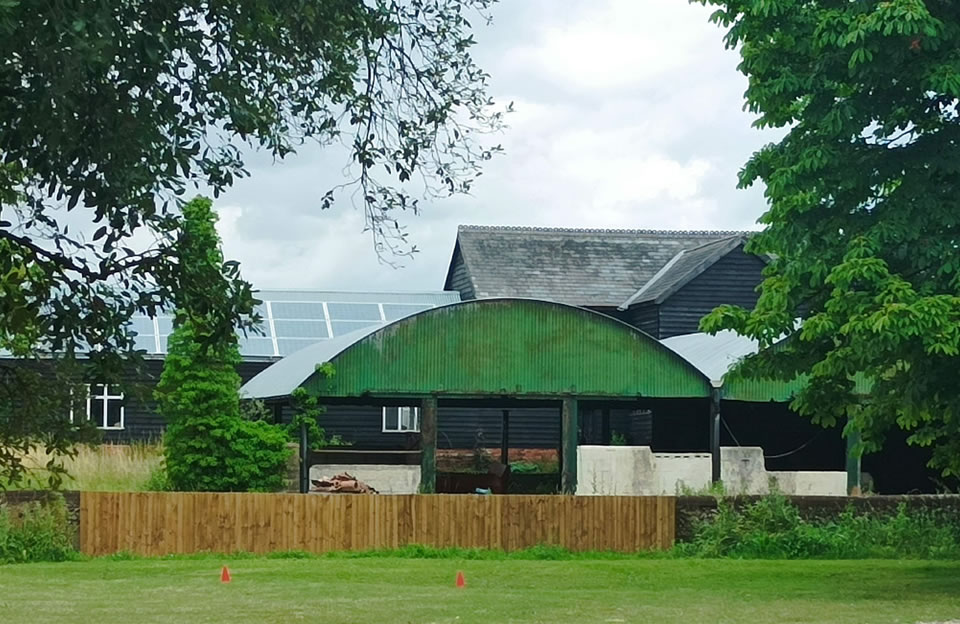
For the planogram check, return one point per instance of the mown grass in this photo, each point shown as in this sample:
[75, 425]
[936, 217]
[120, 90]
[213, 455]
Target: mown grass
[377, 589]
[102, 468]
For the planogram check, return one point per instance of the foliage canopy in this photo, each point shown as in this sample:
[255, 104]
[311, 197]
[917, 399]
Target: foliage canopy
[111, 111]
[864, 211]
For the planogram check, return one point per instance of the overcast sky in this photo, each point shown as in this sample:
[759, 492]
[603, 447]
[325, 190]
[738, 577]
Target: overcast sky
[628, 115]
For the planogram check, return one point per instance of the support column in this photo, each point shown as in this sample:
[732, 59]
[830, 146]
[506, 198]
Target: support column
[304, 459]
[505, 438]
[428, 446]
[853, 463]
[715, 435]
[569, 432]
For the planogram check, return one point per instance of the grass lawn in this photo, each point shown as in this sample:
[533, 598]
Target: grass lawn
[396, 590]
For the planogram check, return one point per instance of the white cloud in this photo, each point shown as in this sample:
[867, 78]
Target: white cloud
[629, 114]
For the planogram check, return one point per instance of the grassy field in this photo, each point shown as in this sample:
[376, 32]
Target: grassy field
[419, 590]
[103, 468]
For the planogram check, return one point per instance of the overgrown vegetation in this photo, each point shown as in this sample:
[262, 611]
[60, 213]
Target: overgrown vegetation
[541, 466]
[307, 410]
[36, 532]
[773, 528]
[208, 445]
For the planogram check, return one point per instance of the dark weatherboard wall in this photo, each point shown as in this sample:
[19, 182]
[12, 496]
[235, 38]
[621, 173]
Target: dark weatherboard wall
[733, 279]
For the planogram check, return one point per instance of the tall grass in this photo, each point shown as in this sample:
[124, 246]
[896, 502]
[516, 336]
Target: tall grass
[108, 467]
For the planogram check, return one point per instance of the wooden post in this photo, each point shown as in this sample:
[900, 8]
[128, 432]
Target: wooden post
[569, 432]
[853, 463]
[715, 435]
[428, 446]
[505, 438]
[304, 457]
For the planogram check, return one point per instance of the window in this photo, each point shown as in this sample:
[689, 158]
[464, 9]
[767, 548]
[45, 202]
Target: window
[401, 419]
[105, 406]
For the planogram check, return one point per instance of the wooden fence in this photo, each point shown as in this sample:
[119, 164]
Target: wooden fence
[165, 523]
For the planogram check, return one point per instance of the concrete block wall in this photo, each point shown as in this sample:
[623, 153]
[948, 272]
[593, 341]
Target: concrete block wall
[638, 471]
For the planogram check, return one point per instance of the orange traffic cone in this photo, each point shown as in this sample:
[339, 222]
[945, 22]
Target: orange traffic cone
[225, 575]
[461, 582]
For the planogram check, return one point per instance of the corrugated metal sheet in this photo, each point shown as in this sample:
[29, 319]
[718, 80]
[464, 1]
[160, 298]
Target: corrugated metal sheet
[712, 354]
[515, 347]
[738, 388]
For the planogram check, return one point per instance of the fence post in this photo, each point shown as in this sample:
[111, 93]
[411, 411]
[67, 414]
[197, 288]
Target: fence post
[569, 431]
[715, 435]
[304, 459]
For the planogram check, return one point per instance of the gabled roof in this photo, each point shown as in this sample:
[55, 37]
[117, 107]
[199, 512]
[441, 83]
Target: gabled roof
[599, 268]
[683, 267]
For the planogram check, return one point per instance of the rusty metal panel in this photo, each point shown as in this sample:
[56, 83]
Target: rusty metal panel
[514, 347]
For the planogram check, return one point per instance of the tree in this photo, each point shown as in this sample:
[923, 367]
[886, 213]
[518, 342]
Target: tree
[109, 111]
[207, 445]
[864, 210]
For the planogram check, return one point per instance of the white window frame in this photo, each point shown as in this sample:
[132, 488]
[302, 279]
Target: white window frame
[413, 412]
[101, 422]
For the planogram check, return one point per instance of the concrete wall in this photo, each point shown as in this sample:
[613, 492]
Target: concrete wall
[811, 482]
[636, 470]
[385, 479]
[680, 472]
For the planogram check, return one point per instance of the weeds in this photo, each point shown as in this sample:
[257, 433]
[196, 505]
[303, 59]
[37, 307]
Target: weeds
[773, 528]
[36, 532]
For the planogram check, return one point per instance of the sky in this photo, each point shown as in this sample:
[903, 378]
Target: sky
[628, 114]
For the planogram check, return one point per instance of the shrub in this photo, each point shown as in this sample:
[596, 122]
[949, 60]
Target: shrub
[36, 532]
[223, 453]
[773, 528]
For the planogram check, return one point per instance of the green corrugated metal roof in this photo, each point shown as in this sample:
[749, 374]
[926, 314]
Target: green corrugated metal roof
[515, 347]
[739, 388]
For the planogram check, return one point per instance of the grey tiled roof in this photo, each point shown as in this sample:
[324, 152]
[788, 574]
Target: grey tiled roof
[575, 266]
[682, 268]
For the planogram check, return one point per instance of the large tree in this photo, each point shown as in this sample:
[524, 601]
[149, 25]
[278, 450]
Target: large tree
[110, 111]
[208, 446]
[864, 209]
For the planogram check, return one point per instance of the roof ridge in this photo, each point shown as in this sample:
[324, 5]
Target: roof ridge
[522, 228]
[725, 239]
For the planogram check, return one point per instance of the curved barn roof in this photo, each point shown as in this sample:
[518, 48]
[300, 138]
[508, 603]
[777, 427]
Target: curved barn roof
[490, 347]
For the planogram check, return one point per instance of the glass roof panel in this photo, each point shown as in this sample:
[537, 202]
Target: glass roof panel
[166, 325]
[354, 311]
[300, 329]
[344, 327]
[288, 345]
[394, 311]
[297, 310]
[143, 325]
[146, 343]
[256, 346]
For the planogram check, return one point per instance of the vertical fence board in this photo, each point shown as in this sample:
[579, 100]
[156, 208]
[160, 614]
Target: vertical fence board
[181, 522]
